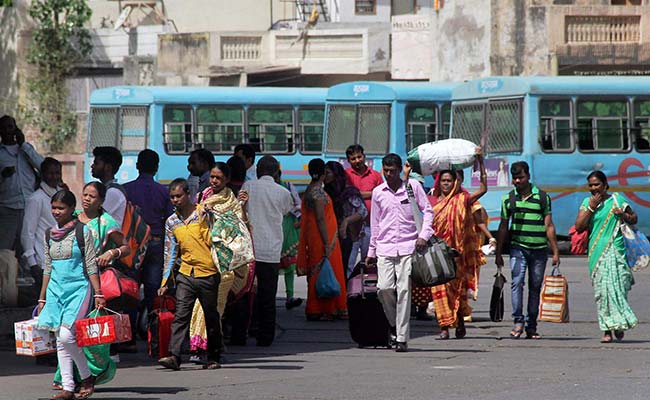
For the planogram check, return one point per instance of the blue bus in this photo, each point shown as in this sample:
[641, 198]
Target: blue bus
[288, 123]
[564, 127]
[385, 117]
[173, 121]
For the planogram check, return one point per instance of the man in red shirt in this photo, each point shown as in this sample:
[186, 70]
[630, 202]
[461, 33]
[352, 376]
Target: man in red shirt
[365, 179]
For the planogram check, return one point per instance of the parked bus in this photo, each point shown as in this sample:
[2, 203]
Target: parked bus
[564, 127]
[385, 117]
[173, 121]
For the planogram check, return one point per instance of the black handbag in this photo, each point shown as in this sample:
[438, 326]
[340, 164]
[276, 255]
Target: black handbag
[436, 265]
[496, 300]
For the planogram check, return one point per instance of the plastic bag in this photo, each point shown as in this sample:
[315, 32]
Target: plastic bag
[326, 284]
[429, 158]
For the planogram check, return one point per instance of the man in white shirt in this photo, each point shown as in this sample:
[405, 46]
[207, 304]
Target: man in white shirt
[38, 218]
[247, 153]
[105, 166]
[266, 203]
[19, 162]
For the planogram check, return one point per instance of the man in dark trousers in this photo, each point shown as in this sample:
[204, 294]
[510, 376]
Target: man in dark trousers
[187, 238]
[266, 204]
[153, 200]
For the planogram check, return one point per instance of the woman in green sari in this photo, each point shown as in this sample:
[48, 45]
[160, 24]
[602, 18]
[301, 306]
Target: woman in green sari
[601, 214]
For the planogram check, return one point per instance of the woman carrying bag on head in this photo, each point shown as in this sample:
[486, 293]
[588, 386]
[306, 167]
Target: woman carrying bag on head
[318, 231]
[602, 214]
[70, 288]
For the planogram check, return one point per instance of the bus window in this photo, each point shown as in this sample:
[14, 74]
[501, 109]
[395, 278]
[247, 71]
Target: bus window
[555, 125]
[446, 120]
[503, 126]
[311, 122]
[177, 121]
[133, 128]
[103, 127]
[374, 128]
[468, 122]
[270, 130]
[642, 125]
[421, 125]
[341, 127]
[220, 129]
[602, 125]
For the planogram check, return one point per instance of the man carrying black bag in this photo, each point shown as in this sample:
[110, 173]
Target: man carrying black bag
[393, 240]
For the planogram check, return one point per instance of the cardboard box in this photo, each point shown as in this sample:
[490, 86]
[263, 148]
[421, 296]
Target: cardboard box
[31, 341]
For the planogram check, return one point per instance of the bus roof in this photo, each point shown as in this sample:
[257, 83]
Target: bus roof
[508, 86]
[390, 91]
[139, 95]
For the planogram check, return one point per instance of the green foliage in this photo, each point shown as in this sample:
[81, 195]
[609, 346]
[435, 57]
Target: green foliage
[60, 41]
[6, 3]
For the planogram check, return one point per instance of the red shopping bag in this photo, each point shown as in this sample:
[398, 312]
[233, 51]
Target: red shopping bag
[104, 329]
[159, 331]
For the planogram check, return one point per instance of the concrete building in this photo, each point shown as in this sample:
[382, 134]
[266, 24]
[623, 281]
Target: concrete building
[466, 39]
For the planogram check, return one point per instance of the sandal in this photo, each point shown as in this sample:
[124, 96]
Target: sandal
[212, 365]
[57, 386]
[607, 338]
[444, 334]
[619, 335]
[516, 332]
[63, 395]
[87, 388]
[533, 335]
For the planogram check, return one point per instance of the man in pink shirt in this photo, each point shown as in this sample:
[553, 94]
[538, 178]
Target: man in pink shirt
[365, 179]
[393, 240]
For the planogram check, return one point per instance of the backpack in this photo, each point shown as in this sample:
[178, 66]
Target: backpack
[512, 200]
[81, 241]
[135, 230]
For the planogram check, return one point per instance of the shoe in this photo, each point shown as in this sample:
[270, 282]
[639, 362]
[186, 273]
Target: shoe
[293, 302]
[87, 388]
[211, 365]
[63, 395]
[401, 347]
[532, 334]
[619, 335]
[444, 334]
[170, 362]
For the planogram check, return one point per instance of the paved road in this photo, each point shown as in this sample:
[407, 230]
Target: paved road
[317, 360]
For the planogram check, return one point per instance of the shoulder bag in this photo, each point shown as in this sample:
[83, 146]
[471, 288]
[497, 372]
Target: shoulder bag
[435, 266]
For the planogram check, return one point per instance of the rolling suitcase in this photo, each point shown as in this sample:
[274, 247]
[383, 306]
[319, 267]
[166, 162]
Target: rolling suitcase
[368, 323]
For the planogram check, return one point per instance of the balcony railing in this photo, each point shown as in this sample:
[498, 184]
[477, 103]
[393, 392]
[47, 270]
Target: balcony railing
[603, 29]
[241, 48]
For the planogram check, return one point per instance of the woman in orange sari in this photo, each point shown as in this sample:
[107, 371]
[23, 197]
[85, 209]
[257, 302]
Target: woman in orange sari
[453, 221]
[318, 232]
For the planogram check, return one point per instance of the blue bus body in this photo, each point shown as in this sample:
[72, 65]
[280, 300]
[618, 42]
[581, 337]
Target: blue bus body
[564, 128]
[285, 122]
[385, 117]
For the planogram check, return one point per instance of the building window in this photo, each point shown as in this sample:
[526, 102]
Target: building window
[365, 7]
[627, 2]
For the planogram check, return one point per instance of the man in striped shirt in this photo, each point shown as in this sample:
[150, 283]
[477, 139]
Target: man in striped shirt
[531, 232]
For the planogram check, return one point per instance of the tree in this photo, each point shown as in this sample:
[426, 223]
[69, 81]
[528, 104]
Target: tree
[60, 41]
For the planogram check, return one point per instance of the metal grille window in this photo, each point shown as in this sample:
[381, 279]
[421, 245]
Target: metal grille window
[555, 125]
[503, 126]
[270, 130]
[642, 125]
[365, 124]
[468, 122]
[133, 129]
[177, 125]
[311, 121]
[421, 125]
[220, 129]
[103, 127]
[602, 125]
[365, 7]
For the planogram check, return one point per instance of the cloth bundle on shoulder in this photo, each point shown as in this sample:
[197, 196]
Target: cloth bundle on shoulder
[554, 299]
[429, 158]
